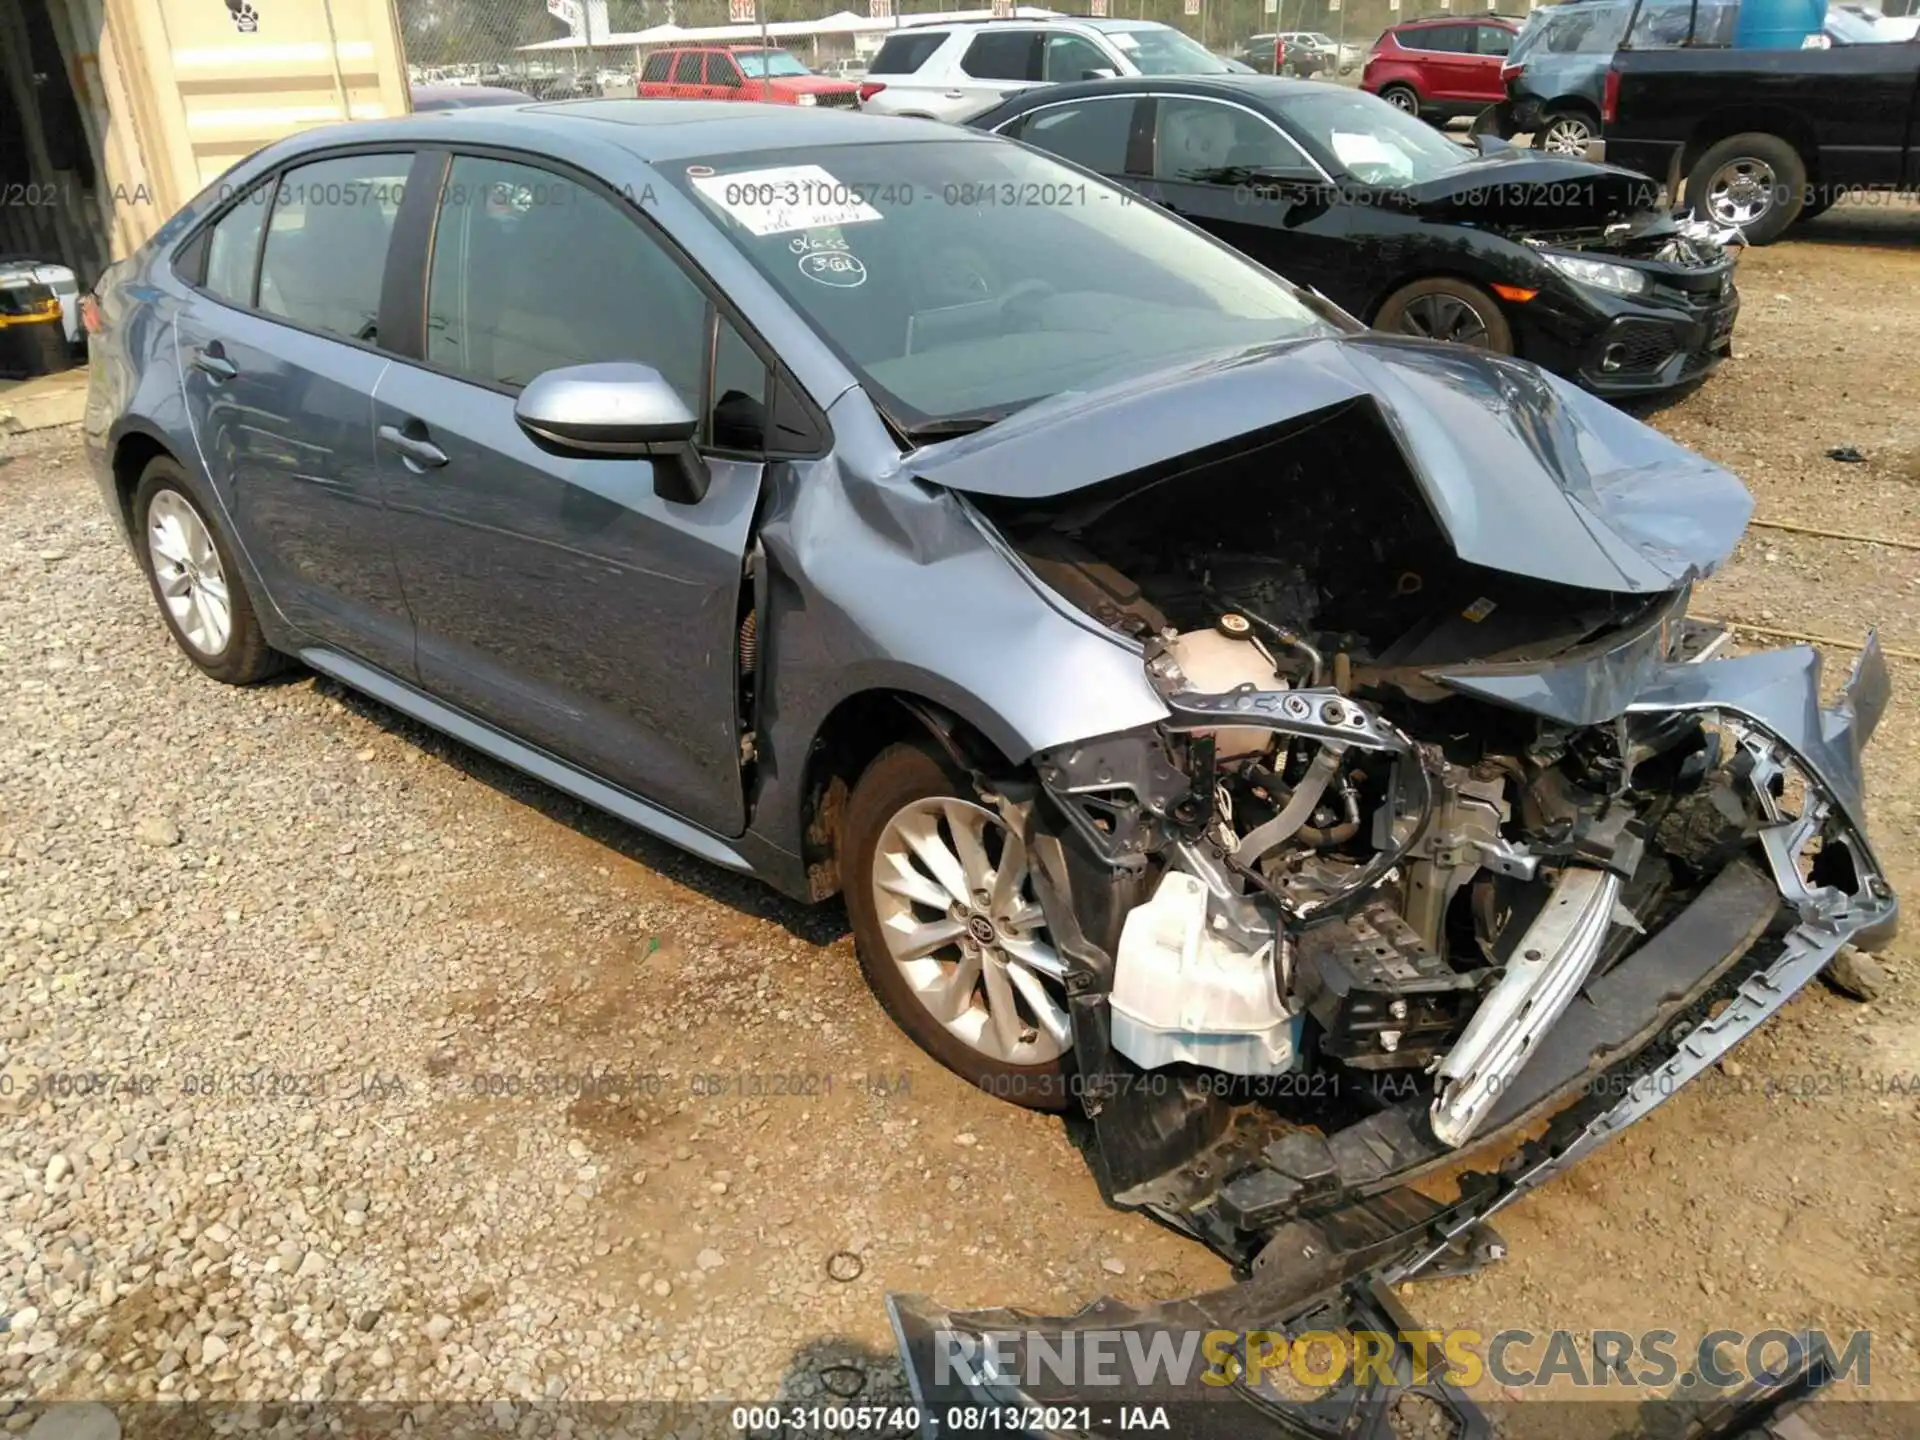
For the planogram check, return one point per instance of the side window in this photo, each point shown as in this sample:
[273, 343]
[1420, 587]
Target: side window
[738, 420]
[1003, 55]
[532, 271]
[234, 246]
[1447, 39]
[1071, 57]
[326, 249]
[686, 68]
[656, 70]
[1205, 140]
[1092, 133]
[722, 71]
[1494, 39]
[904, 54]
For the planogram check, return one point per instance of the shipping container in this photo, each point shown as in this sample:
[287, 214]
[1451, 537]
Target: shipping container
[114, 113]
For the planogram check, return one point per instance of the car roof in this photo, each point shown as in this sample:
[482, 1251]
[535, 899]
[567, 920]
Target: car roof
[1082, 21]
[650, 130]
[1488, 18]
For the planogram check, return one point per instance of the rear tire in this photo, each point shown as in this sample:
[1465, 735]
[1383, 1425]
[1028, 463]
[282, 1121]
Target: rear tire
[1565, 132]
[1443, 308]
[907, 805]
[1757, 182]
[190, 567]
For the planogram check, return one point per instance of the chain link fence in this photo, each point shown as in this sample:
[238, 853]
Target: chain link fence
[485, 40]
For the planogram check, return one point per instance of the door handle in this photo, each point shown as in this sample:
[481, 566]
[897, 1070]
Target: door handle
[412, 447]
[956, 94]
[210, 360]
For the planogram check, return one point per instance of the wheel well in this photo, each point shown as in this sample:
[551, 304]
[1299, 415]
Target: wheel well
[1579, 103]
[1758, 119]
[131, 456]
[856, 731]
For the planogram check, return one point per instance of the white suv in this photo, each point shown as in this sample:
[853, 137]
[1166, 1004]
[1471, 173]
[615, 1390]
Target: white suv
[956, 71]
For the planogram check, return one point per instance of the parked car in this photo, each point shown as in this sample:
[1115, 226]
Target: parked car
[953, 71]
[1555, 76]
[1184, 687]
[845, 67]
[1553, 259]
[1440, 69]
[1274, 54]
[429, 98]
[740, 72]
[1335, 58]
[1836, 120]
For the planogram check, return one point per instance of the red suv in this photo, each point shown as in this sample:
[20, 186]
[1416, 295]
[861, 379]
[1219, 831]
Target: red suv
[1441, 69]
[739, 72]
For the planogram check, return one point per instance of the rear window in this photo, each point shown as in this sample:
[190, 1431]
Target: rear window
[655, 70]
[1590, 27]
[904, 54]
[686, 68]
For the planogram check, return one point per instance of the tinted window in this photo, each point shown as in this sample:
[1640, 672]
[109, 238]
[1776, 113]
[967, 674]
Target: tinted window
[722, 71]
[326, 246]
[1495, 39]
[1669, 24]
[655, 70]
[234, 246]
[1451, 38]
[904, 54]
[1003, 55]
[532, 271]
[1069, 57]
[686, 68]
[1092, 133]
[1205, 140]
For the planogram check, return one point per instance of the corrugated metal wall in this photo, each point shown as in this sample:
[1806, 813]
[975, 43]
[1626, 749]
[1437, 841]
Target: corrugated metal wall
[172, 92]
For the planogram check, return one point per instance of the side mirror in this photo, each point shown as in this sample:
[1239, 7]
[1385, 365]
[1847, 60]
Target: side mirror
[616, 411]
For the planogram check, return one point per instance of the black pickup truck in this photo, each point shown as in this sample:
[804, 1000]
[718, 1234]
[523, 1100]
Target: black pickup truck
[1763, 138]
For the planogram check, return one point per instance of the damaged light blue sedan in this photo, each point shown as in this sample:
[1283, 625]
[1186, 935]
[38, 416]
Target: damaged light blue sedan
[1283, 743]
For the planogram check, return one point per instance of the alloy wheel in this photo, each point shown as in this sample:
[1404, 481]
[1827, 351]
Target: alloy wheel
[955, 902]
[187, 568]
[1438, 316]
[1402, 100]
[1741, 191]
[1567, 135]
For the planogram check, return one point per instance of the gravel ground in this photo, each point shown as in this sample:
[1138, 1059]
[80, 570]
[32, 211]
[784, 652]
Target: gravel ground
[296, 1002]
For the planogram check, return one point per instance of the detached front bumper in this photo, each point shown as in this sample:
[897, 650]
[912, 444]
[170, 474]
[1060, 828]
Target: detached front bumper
[1760, 932]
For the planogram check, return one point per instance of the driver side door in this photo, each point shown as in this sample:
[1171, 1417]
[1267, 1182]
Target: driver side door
[563, 600]
[1238, 176]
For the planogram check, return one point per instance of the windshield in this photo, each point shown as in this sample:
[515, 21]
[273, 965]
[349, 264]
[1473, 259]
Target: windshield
[963, 279]
[1161, 50]
[1374, 142]
[758, 64]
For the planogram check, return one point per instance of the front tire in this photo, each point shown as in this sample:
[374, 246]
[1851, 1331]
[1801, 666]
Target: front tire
[197, 584]
[949, 933]
[1442, 308]
[1757, 182]
[1402, 97]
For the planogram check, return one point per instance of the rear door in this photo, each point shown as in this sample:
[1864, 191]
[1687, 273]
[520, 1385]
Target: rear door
[562, 600]
[996, 63]
[279, 357]
[1445, 56]
[1491, 44]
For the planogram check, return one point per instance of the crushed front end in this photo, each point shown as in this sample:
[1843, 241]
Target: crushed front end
[1428, 854]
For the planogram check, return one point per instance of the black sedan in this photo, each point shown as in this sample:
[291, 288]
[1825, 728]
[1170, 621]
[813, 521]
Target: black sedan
[1566, 263]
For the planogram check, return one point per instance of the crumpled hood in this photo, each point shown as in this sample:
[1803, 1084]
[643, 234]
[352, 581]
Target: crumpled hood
[1524, 472]
[1523, 190]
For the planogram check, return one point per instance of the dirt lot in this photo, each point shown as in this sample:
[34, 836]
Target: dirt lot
[294, 997]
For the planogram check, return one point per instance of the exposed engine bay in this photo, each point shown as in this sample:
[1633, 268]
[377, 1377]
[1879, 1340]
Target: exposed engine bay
[1681, 241]
[1358, 896]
